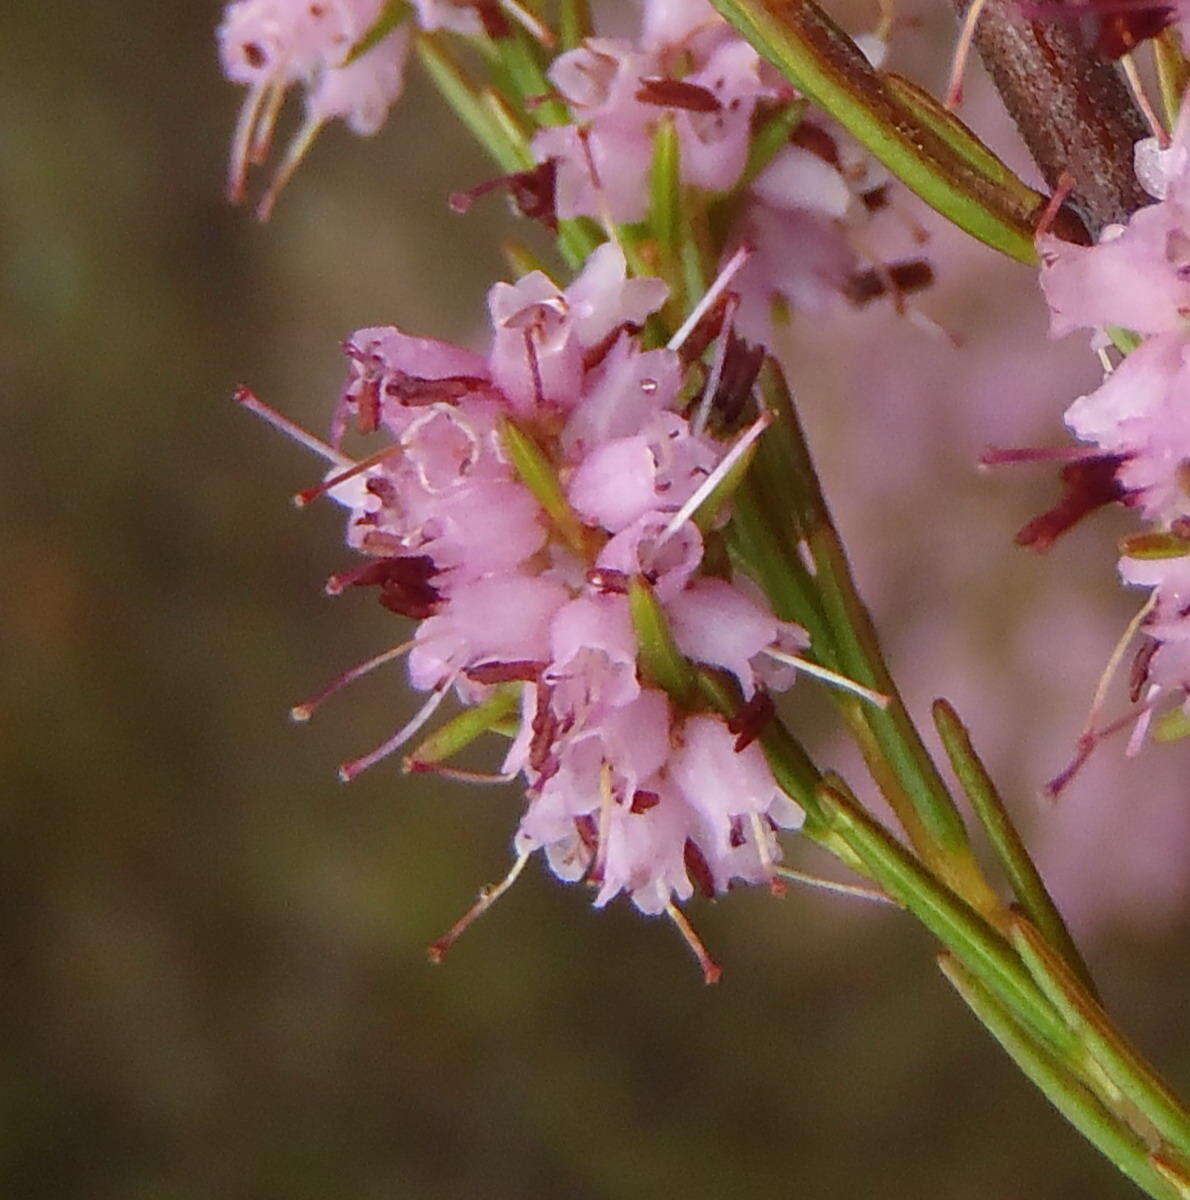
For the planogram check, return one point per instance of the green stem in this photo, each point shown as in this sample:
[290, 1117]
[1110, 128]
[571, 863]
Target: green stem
[1114, 1140]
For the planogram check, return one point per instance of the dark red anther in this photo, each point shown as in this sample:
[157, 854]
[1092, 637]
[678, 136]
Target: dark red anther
[545, 730]
[1121, 32]
[492, 17]
[1139, 675]
[750, 720]
[699, 869]
[1087, 484]
[404, 582]
[677, 93]
[505, 672]
[254, 55]
[642, 801]
[367, 407]
[587, 831]
[415, 392]
[736, 836]
[901, 278]
[812, 137]
[607, 581]
[741, 365]
[532, 193]
[593, 356]
[874, 199]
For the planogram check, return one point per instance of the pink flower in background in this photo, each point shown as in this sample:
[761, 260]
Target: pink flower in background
[270, 45]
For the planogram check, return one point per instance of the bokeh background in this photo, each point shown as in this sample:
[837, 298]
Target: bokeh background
[213, 973]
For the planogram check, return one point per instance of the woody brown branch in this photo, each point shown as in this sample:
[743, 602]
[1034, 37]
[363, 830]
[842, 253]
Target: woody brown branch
[1072, 107]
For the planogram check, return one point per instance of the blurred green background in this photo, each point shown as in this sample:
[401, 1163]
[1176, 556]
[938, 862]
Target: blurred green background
[213, 978]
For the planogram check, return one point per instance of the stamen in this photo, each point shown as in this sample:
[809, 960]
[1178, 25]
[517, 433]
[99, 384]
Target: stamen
[729, 272]
[312, 493]
[765, 853]
[962, 50]
[413, 766]
[237, 167]
[607, 801]
[248, 399]
[1143, 102]
[487, 897]
[295, 152]
[305, 710]
[1001, 456]
[712, 481]
[711, 971]
[842, 889]
[605, 211]
[268, 121]
[349, 770]
[1050, 213]
[524, 17]
[534, 368]
[712, 385]
[1114, 660]
[828, 676]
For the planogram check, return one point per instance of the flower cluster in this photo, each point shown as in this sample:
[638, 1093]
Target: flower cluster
[1136, 283]
[527, 496]
[689, 66]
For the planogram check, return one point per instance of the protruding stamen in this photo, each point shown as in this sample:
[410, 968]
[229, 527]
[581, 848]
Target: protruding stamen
[414, 766]
[294, 153]
[1113, 663]
[525, 18]
[305, 710]
[1050, 213]
[349, 770]
[311, 494]
[1003, 456]
[263, 139]
[711, 971]
[729, 272]
[610, 227]
[765, 853]
[714, 478]
[829, 676]
[712, 386]
[607, 801]
[241, 142]
[842, 889]
[534, 368]
[1143, 102]
[962, 50]
[249, 400]
[487, 897]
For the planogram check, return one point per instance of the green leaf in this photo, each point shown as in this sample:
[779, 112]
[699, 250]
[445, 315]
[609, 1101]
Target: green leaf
[519, 55]
[391, 14]
[802, 42]
[508, 151]
[1106, 1132]
[665, 193]
[461, 730]
[661, 662]
[952, 920]
[942, 122]
[1082, 1012]
[574, 22]
[538, 475]
[1026, 880]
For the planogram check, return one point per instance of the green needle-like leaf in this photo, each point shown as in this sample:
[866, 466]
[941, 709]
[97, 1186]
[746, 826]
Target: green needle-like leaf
[661, 662]
[461, 730]
[802, 42]
[954, 922]
[1113, 1139]
[1026, 881]
[1123, 1065]
[538, 475]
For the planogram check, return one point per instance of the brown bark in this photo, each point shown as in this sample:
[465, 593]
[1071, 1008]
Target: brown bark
[1072, 107]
